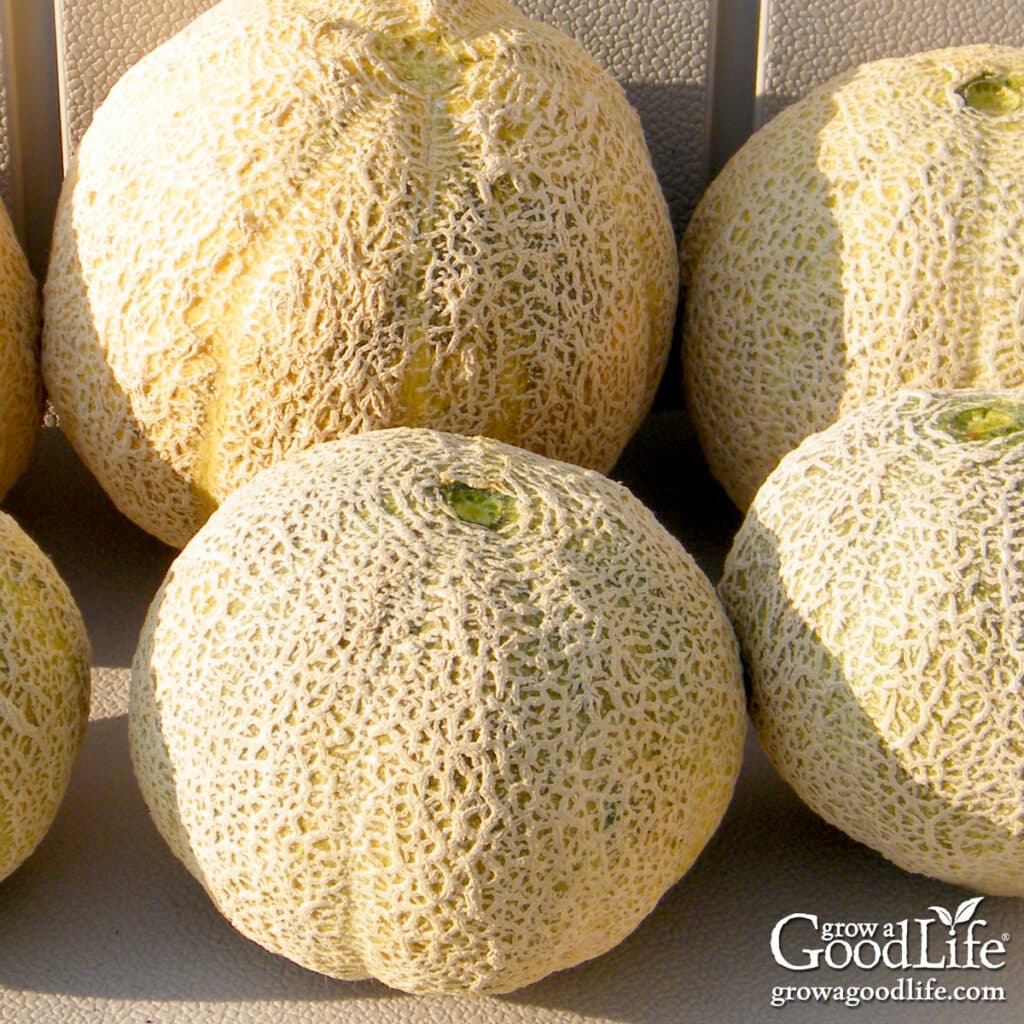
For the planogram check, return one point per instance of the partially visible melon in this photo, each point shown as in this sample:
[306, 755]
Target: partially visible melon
[44, 693]
[21, 389]
[877, 589]
[870, 237]
[303, 218]
[435, 710]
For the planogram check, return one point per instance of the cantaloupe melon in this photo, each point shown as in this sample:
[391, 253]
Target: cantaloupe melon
[877, 589]
[868, 238]
[21, 389]
[44, 693]
[302, 218]
[435, 710]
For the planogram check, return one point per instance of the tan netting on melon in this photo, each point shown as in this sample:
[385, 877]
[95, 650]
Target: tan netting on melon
[876, 586]
[298, 220]
[21, 388]
[435, 710]
[868, 238]
[44, 693]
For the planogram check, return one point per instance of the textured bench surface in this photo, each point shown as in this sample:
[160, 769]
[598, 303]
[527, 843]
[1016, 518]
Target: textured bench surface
[804, 42]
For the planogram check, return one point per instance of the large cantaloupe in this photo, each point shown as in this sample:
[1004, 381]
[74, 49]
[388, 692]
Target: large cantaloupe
[435, 710]
[302, 218]
[877, 589]
[44, 693]
[21, 389]
[870, 237]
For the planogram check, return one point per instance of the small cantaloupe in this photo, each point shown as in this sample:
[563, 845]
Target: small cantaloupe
[302, 218]
[877, 589]
[435, 710]
[21, 388]
[868, 238]
[44, 693]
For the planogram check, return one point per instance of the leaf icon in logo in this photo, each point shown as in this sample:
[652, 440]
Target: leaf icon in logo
[964, 912]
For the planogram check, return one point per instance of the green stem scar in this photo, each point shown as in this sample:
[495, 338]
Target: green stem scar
[993, 94]
[984, 422]
[482, 506]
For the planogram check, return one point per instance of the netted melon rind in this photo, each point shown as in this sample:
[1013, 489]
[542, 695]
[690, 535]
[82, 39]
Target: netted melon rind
[433, 214]
[866, 239]
[876, 587]
[44, 693]
[455, 756]
[21, 387]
